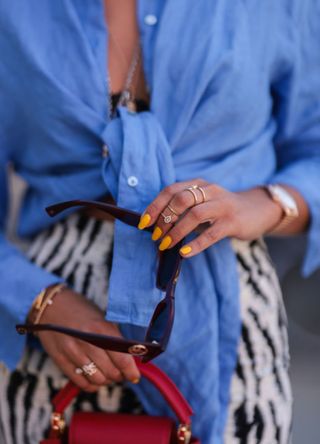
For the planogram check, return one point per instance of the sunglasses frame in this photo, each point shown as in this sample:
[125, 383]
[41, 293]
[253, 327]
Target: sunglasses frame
[167, 275]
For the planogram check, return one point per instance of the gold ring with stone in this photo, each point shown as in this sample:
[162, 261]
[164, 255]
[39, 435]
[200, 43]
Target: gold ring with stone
[89, 369]
[166, 219]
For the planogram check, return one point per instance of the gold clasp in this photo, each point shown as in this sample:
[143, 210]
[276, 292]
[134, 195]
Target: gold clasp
[58, 422]
[138, 350]
[184, 433]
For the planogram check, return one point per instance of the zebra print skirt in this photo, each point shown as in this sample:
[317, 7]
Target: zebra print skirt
[80, 250]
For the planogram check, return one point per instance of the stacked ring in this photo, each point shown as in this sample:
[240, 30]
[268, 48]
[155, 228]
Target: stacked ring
[191, 189]
[168, 218]
[203, 194]
[172, 210]
[87, 369]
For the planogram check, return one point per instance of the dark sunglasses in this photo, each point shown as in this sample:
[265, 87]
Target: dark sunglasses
[159, 329]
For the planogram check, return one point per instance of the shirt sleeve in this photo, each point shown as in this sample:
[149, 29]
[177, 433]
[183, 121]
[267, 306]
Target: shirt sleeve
[20, 282]
[297, 110]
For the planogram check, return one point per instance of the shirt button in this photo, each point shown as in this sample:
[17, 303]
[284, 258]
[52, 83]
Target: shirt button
[150, 19]
[132, 181]
[105, 151]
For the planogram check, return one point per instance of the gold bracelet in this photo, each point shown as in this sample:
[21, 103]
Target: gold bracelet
[36, 304]
[43, 300]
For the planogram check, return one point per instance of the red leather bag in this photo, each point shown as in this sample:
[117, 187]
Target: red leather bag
[113, 428]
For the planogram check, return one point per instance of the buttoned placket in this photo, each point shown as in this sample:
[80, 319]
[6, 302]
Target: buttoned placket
[148, 19]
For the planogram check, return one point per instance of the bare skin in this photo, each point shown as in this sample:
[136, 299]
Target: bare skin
[75, 311]
[245, 215]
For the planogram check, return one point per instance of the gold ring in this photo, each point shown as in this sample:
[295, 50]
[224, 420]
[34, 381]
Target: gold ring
[172, 210]
[89, 369]
[203, 193]
[166, 219]
[191, 189]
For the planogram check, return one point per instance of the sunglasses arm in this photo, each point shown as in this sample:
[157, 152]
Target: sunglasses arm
[142, 348]
[55, 209]
[128, 217]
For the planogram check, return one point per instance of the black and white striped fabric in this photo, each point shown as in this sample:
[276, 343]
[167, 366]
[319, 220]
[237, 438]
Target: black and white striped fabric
[80, 250]
[261, 400]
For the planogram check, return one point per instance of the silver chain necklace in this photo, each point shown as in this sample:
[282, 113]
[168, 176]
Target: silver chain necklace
[126, 97]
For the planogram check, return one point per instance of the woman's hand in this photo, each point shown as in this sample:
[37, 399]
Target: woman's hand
[73, 310]
[244, 215]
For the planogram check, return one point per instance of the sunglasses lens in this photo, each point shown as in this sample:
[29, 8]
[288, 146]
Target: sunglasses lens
[161, 323]
[168, 265]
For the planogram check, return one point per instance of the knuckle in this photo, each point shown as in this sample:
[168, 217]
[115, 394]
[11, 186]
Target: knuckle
[99, 379]
[69, 346]
[169, 190]
[211, 235]
[195, 213]
[177, 233]
[181, 199]
[153, 208]
[115, 376]
[123, 362]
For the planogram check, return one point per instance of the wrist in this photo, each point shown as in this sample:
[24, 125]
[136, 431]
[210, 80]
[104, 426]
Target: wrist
[265, 213]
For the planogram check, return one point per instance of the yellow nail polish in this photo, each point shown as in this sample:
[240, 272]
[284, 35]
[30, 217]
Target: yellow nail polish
[157, 232]
[165, 243]
[135, 381]
[144, 221]
[186, 249]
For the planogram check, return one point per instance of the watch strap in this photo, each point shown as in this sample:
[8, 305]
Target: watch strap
[289, 213]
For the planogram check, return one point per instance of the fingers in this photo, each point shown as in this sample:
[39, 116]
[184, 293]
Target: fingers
[80, 355]
[210, 208]
[153, 211]
[188, 223]
[110, 366]
[126, 365]
[182, 202]
[108, 372]
[210, 236]
[122, 362]
[68, 367]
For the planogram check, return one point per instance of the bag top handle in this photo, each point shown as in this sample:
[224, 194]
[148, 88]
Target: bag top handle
[155, 375]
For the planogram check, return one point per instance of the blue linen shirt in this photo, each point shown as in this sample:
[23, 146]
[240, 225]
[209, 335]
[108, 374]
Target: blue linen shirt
[234, 99]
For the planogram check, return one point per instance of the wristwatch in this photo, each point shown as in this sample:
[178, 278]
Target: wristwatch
[288, 204]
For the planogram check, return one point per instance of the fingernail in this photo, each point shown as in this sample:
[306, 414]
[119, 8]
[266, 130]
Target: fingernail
[135, 381]
[144, 221]
[186, 249]
[165, 243]
[157, 232]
